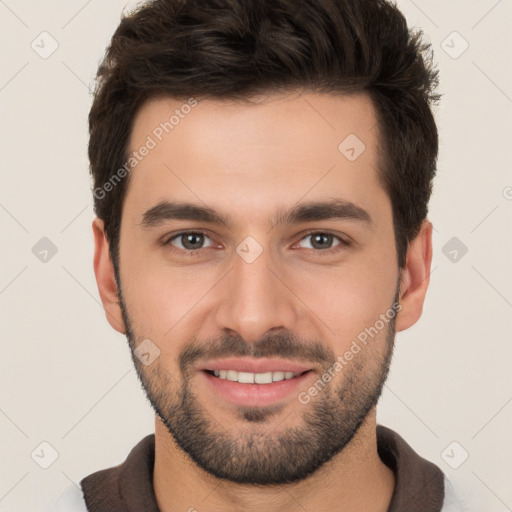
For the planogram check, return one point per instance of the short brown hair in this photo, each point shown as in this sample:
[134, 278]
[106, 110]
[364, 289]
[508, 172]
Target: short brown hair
[237, 49]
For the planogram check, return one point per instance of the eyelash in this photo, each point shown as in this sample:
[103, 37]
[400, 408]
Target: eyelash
[192, 253]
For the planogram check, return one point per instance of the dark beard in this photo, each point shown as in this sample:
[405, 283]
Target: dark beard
[330, 420]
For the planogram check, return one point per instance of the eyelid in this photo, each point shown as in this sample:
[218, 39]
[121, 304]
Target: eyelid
[342, 236]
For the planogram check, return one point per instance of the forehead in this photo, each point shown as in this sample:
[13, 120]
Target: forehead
[252, 157]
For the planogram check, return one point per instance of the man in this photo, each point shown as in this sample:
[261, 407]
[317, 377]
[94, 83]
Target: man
[262, 171]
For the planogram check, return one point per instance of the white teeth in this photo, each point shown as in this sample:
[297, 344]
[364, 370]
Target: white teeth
[244, 377]
[232, 375]
[253, 378]
[263, 378]
[278, 376]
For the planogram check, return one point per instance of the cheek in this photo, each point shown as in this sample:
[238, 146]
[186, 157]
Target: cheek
[347, 307]
[157, 297]
[349, 299]
[161, 300]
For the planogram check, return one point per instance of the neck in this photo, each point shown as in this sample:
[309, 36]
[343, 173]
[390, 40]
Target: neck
[355, 479]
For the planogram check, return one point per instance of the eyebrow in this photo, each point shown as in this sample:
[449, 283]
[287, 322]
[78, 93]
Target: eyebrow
[305, 212]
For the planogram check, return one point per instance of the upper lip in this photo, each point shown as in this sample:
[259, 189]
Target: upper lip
[255, 365]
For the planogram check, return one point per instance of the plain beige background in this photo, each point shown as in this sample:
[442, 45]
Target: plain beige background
[66, 377]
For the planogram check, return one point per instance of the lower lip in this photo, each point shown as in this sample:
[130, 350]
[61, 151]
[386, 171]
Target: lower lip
[254, 395]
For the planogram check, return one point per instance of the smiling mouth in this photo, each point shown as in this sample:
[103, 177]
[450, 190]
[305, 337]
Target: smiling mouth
[254, 378]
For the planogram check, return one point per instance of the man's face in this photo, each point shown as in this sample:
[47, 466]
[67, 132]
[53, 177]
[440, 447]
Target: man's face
[267, 293]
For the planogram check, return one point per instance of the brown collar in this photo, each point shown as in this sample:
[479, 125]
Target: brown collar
[128, 487]
[419, 484]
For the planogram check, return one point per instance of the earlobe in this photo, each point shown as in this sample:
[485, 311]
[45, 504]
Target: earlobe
[105, 277]
[415, 278]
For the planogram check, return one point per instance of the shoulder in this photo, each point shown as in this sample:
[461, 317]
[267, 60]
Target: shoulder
[461, 495]
[71, 500]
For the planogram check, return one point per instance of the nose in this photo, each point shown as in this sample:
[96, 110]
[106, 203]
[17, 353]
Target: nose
[256, 299]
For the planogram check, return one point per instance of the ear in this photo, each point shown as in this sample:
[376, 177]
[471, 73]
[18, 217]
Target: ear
[105, 277]
[415, 278]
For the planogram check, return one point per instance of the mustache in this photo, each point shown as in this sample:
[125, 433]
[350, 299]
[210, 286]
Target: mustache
[283, 345]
